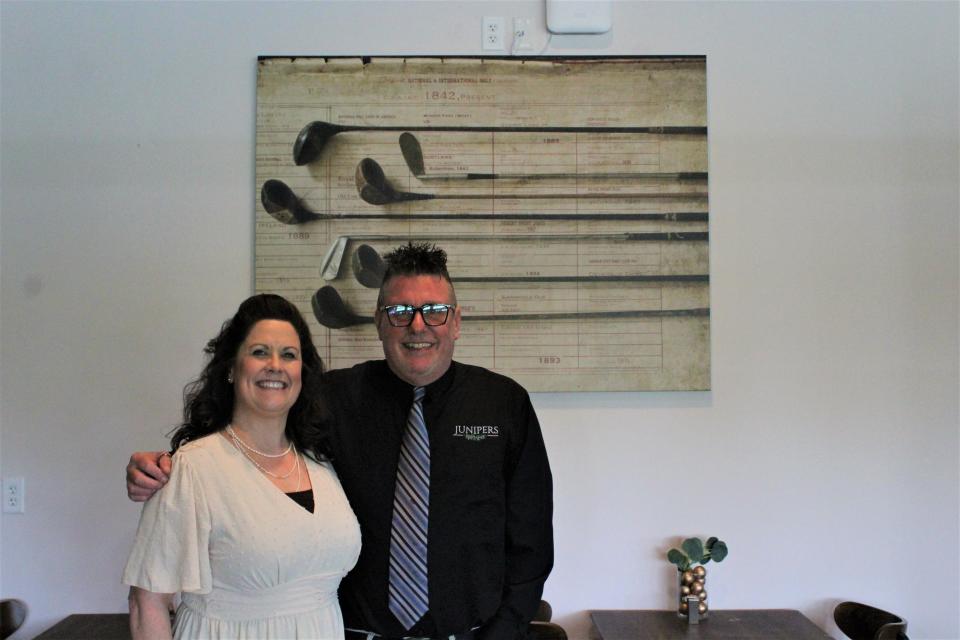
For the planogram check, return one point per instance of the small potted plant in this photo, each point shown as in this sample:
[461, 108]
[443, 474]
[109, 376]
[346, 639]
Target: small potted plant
[690, 558]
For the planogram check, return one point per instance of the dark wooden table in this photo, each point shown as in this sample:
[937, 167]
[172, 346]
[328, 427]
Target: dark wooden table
[90, 626]
[723, 624]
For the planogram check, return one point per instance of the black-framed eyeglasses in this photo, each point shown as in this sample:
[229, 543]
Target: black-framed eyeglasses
[434, 314]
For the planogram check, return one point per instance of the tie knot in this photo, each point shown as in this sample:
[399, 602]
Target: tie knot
[418, 393]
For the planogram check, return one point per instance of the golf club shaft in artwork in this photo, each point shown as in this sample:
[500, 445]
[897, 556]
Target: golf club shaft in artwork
[285, 206]
[333, 259]
[413, 155]
[369, 267]
[314, 136]
[332, 312]
[373, 187]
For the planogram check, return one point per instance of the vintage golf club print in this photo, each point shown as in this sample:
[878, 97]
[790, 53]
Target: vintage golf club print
[570, 195]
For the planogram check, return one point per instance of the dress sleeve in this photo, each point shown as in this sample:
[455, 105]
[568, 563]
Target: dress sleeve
[170, 553]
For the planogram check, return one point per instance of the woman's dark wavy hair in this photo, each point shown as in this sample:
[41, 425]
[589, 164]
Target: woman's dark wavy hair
[208, 401]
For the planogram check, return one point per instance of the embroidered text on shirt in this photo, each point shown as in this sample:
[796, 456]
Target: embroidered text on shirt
[476, 432]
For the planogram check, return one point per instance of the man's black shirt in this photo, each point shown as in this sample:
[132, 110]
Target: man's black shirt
[490, 530]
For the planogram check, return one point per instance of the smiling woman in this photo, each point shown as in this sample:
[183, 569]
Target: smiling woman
[267, 373]
[253, 431]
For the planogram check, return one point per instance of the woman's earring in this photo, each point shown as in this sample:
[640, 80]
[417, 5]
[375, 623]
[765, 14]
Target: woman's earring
[230, 378]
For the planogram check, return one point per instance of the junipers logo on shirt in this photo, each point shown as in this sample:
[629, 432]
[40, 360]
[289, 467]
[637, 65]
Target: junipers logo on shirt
[476, 432]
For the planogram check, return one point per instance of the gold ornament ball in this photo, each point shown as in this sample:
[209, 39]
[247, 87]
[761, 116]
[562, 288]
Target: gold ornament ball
[684, 590]
[696, 588]
[683, 607]
[699, 572]
[702, 608]
[703, 595]
[686, 577]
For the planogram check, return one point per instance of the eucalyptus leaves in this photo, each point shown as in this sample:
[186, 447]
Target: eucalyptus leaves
[693, 551]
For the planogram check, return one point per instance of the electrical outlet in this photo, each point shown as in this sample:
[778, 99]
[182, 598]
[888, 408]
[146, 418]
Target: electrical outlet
[492, 33]
[13, 495]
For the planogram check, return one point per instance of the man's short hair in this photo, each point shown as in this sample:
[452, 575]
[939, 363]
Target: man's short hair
[415, 259]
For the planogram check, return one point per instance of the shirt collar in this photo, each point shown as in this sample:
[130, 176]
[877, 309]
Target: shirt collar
[440, 386]
[405, 390]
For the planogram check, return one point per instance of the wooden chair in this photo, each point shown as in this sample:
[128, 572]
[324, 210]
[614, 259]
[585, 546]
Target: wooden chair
[863, 622]
[12, 614]
[541, 628]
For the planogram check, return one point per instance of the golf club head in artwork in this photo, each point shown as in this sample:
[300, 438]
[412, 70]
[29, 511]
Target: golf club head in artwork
[283, 205]
[373, 187]
[368, 267]
[312, 139]
[332, 312]
[412, 154]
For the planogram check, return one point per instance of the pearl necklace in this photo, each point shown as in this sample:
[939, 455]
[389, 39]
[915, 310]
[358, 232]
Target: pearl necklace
[296, 459]
[233, 434]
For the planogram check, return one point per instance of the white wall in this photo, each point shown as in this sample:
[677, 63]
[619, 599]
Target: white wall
[826, 454]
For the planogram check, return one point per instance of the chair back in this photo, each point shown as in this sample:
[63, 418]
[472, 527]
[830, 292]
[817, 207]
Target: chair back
[540, 628]
[12, 614]
[544, 612]
[863, 622]
[546, 631]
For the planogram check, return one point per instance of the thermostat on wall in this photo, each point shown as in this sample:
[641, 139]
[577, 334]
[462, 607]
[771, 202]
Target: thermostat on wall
[579, 16]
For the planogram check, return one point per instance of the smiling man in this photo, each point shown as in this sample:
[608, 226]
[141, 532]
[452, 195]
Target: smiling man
[445, 466]
[421, 350]
[488, 539]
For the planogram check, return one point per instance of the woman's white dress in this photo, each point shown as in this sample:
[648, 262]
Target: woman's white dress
[249, 561]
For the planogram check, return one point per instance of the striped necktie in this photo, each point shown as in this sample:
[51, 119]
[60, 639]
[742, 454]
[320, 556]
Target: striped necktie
[408, 595]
